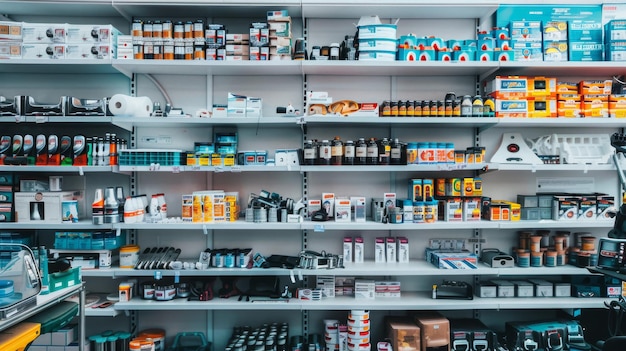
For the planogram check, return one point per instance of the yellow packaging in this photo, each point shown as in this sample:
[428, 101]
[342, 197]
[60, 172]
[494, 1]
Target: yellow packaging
[191, 159]
[566, 88]
[568, 105]
[541, 87]
[204, 160]
[617, 106]
[468, 187]
[440, 187]
[197, 214]
[499, 211]
[428, 189]
[415, 189]
[594, 87]
[542, 108]
[187, 211]
[207, 209]
[595, 105]
[459, 156]
[478, 186]
[216, 160]
[229, 160]
[453, 187]
[516, 210]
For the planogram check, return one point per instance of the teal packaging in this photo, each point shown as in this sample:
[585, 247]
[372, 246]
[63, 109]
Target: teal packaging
[586, 51]
[615, 51]
[584, 30]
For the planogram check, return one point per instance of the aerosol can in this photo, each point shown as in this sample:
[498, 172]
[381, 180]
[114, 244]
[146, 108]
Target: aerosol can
[97, 208]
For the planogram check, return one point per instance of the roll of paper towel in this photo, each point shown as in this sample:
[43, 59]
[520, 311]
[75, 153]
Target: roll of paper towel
[125, 105]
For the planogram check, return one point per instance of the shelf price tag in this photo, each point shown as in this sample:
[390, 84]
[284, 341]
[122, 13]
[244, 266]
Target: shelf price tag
[300, 120]
[236, 169]
[319, 228]
[205, 230]
[176, 169]
[218, 170]
[41, 119]
[118, 231]
[81, 171]
[176, 277]
[19, 119]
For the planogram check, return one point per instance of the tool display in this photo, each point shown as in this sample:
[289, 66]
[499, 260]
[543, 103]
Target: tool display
[157, 258]
[320, 260]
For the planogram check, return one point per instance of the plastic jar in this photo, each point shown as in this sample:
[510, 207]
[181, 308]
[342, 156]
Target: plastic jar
[411, 153]
[551, 259]
[523, 259]
[141, 344]
[129, 255]
[535, 243]
[157, 336]
[588, 243]
[536, 259]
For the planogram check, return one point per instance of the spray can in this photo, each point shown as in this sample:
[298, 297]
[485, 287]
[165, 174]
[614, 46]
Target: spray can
[80, 151]
[97, 207]
[66, 151]
[5, 147]
[41, 150]
[28, 149]
[54, 152]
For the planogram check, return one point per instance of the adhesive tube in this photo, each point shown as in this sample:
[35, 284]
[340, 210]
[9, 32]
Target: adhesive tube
[124, 105]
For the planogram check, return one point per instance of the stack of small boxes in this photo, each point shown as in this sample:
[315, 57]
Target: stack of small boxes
[10, 40]
[62, 340]
[517, 96]
[215, 39]
[615, 40]
[589, 98]
[210, 206]
[238, 47]
[555, 41]
[281, 46]
[585, 40]
[526, 40]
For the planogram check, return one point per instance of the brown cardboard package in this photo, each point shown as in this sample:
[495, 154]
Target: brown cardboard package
[435, 330]
[403, 333]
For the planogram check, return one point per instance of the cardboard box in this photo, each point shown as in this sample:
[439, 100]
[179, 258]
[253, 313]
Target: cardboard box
[379, 250]
[526, 31]
[328, 203]
[43, 51]
[390, 249]
[342, 210]
[359, 250]
[10, 30]
[348, 251]
[403, 249]
[527, 51]
[358, 208]
[41, 207]
[91, 34]
[44, 33]
[523, 288]
[586, 51]
[89, 51]
[569, 105]
[487, 289]
[434, 329]
[403, 334]
[504, 288]
[543, 288]
[565, 208]
[511, 108]
[584, 30]
[555, 31]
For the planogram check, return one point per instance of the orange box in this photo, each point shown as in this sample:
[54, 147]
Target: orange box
[542, 107]
[507, 87]
[595, 105]
[617, 106]
[595, 87]
[568, 105]
[541, 87]
[566, 88]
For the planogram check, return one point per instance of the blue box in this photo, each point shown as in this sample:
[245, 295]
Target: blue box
[615, 51]
[503, 55]
[484, 55]
[464, 55]
[555, 31]
[615, 30]
[444, 55]
[527, 51]
[526, 30]
[584, 30]
[586, 51]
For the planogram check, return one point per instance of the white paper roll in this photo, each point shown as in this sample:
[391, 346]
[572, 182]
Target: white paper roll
[125, 105]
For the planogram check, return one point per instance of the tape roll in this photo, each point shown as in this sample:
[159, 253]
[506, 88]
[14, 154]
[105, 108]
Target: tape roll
[125, 105]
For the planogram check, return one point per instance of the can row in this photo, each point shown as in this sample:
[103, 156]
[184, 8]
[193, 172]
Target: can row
[467, 106]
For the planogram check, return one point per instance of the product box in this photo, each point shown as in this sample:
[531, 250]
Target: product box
[542, 107]
[348, 249]
[587, 208]
[451, 209]
[277, 15]
[259, 53]
[390, 249]
[504, 288]
[530, 214]
[416, 190]
[507, 87]
[542, 87]
[613, 30]
[585, 31]
[568, 105]
[328, 203]
[89, 51]
[44, 33]
[594, 87]
[555, 51]
[358, 208]
[451, 260]
[527, 51]
[595, 105]
[615, 51]
[379, 250]
[586, 51]
[555, 31]
[43, 51]
[403, 249]
[565, 208]
[326, 283]
[562, 289]
[364, 289]
[359, 250]
[10, 49]
[387, 289]
[472, 209]
[525, 30]
[280, 28]
[604, 205]
[342, 210]
[617, 106]
[511, 108]
[528, 200]
[487, 289]
[543, 288]
[523, 288]
[11, 30]
[41, 207]
[403, 333]
[91, 34]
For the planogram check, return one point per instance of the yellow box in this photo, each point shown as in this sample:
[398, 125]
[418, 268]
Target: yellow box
[617, 106]
[541, 87]
[595, 105]
[428, 188]
[594, 87]
[453, 187]
[568, 105]
[566, 88]
[542, 108]
[468, 187]
[516, 210]
[216, 160]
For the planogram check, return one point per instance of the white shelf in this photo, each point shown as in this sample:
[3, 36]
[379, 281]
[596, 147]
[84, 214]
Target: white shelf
[595, 69]
[238, 225]
[547, 167]
[561, 122]
[408, 301]
[81, 225]
[449, 122]
[101, 312]
[222, 169]
[444, 167]
[196, 67]
[63, 66]
[129, 122]
[58, 169]
[398, 68]
[550, 224]
[438, 225]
